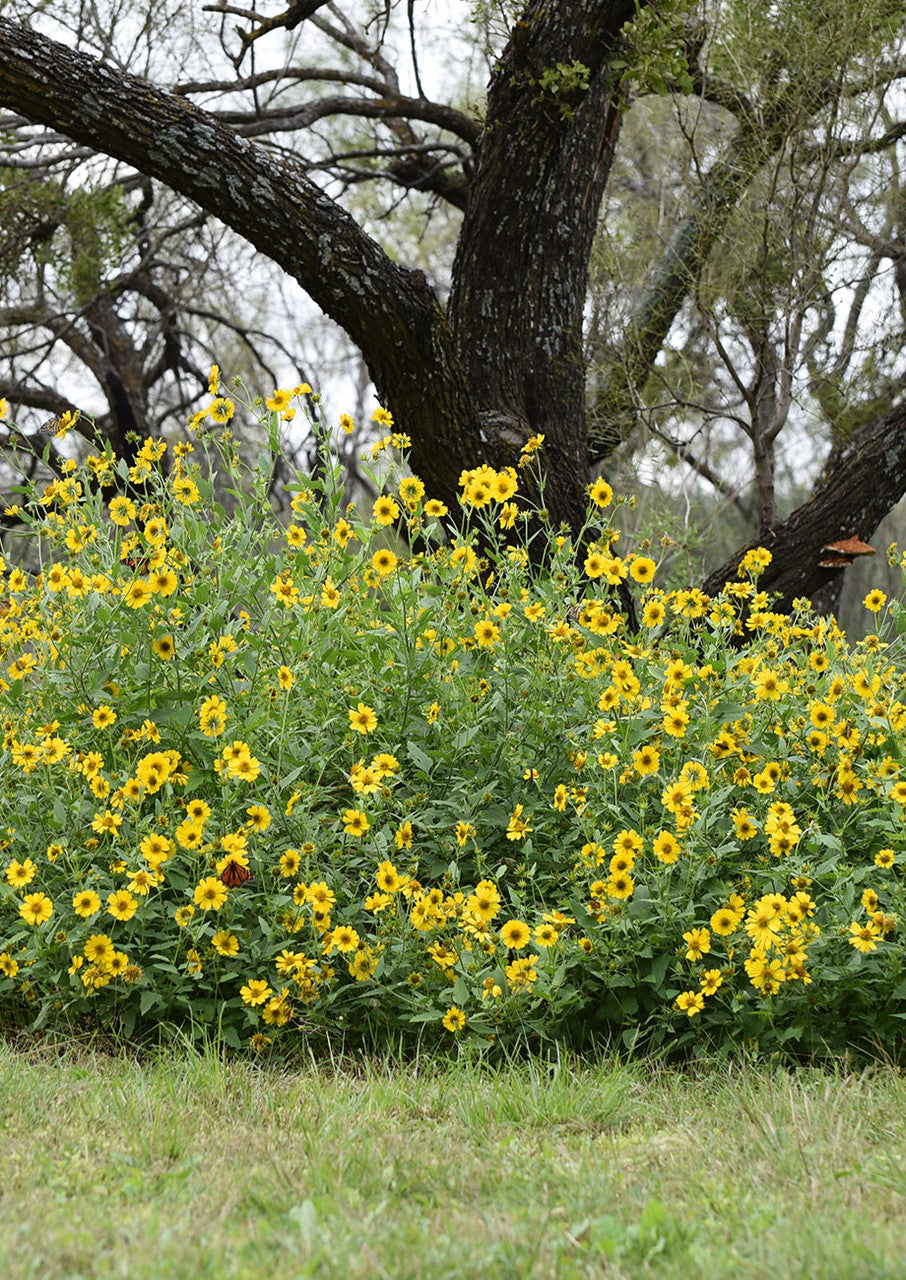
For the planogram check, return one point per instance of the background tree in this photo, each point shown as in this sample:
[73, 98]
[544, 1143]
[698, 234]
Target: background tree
[784, 117]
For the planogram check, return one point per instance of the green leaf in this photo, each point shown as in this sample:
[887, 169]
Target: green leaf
[151, 999]
[418, 757]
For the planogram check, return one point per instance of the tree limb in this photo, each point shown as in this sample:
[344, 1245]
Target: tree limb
[389, 312]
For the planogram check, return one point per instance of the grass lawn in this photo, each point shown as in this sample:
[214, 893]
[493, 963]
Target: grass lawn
[189, 1166]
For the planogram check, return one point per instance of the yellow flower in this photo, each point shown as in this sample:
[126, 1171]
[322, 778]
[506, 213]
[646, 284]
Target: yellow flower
[666, 848]
[515, 934]
[385, 510]
[464, 832]
[164, 648]
[245, 767]
[210, 893]
[122, 905]
[19, 874]
[363, 719]
[628, 842]
[289, 863]
[384, 562]
[36, 908]
[724, 921]
[654, 613]
[285, 590]
[642, 569]
[86, 903]
[646, 760]
[486, 633]
[698, 941]
[864, 936]
[225, 943]
[711, 980]
[355, 823]
[620, 885]
[106, 823]
[256, 991]
[221, 409]
[518, 828]
[343, 938]
[138, 594]
[743, 824]
[142, 881]
[259, 817]
[690, 1002]
[454, 1019]
[212, 716]
[600, 493]
[122, 511]
[484, 903]
[388, 879]
[521, 973]
[279, 401]
[99, 950]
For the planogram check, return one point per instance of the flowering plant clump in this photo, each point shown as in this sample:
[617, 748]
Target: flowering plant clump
[303, 779]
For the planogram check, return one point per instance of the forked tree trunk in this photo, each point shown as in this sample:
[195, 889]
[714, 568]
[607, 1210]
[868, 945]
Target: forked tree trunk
[504, 361]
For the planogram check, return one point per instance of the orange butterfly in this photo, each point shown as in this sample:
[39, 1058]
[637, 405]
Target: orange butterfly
[235, 874]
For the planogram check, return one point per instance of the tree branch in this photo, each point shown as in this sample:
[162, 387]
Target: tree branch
[390, 312]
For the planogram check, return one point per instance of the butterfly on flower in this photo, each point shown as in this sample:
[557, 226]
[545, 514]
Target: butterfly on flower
[235, 874]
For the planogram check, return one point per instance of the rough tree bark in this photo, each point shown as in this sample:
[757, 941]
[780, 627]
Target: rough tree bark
[521, 269]
[388, 311]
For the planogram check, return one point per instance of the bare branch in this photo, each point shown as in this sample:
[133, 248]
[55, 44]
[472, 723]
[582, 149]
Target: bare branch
[701, 468]
[389, 107]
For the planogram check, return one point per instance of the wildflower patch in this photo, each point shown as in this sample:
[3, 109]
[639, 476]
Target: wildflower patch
[373, 774]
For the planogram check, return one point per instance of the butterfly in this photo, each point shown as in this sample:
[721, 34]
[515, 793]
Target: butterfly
[235, 874]
[574, 612]
[137, 564]
[50, 427]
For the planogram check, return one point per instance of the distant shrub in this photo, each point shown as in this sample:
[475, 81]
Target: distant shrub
[305, 781]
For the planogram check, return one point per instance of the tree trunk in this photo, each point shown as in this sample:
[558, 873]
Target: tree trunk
[521, 269]
[862, 483]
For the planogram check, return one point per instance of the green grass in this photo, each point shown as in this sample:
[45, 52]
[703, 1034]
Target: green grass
[190, 1166]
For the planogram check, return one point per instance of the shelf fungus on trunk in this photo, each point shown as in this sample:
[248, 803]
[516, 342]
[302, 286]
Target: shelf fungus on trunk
[843, 552]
